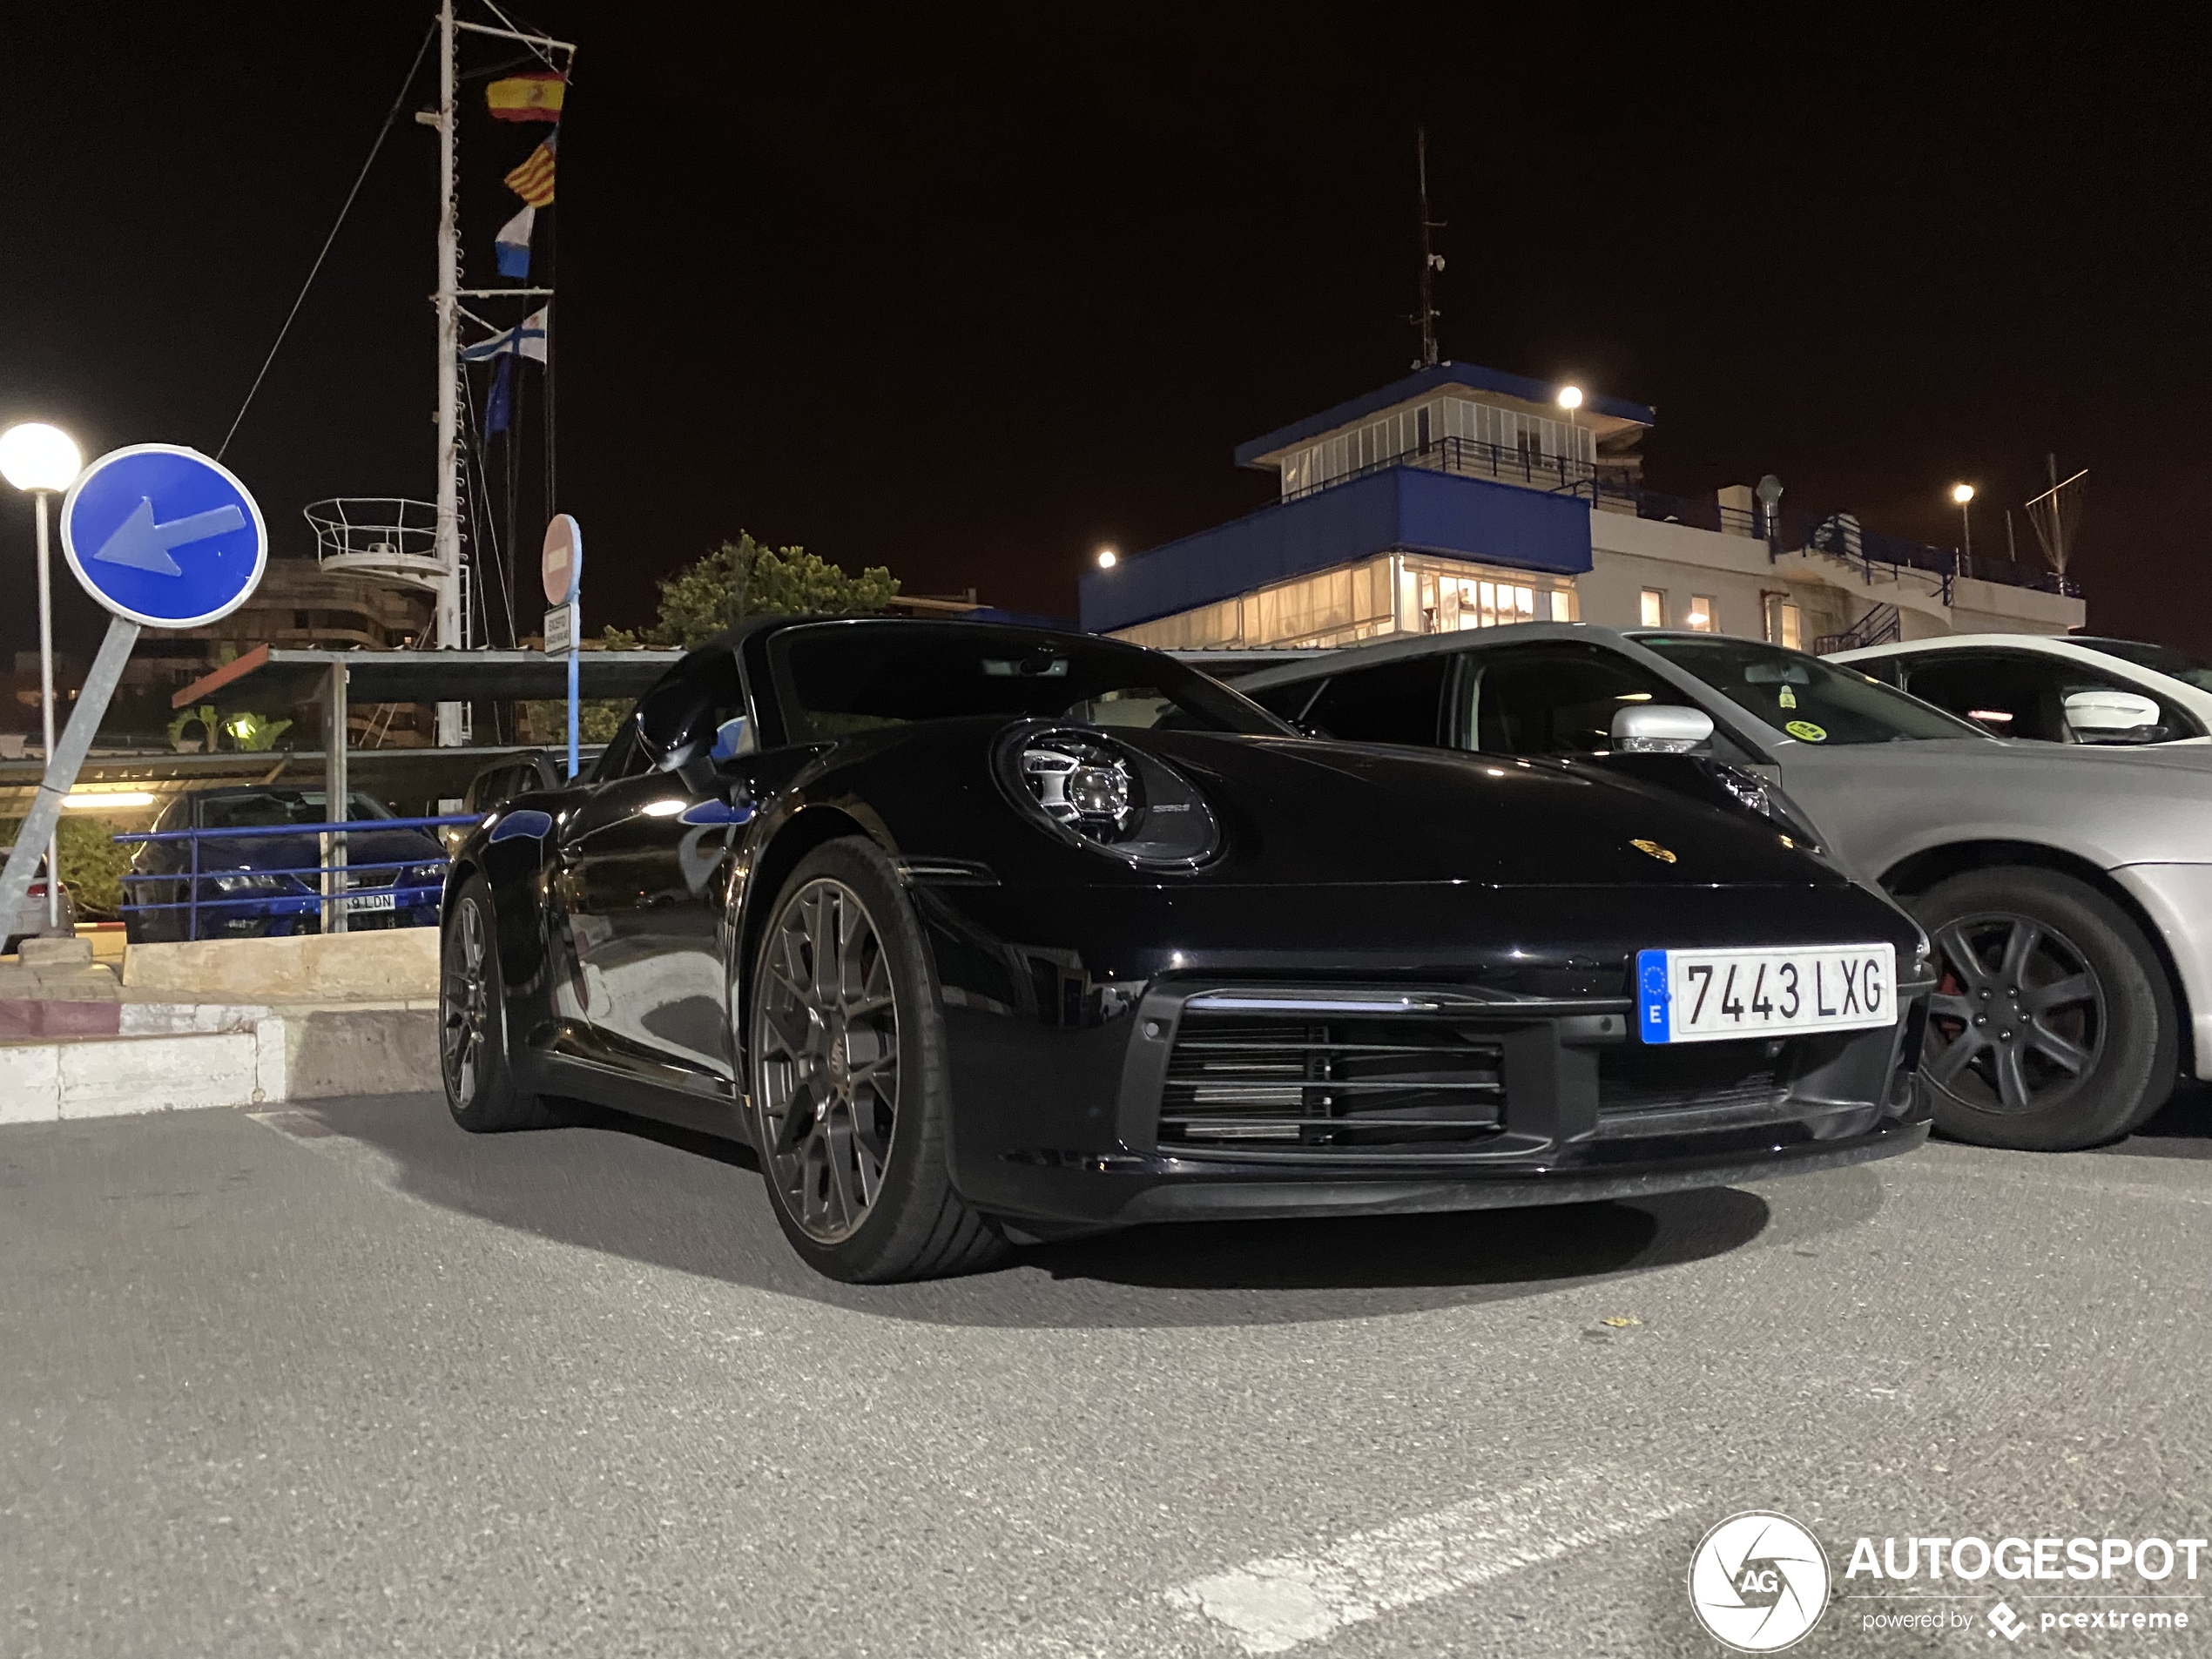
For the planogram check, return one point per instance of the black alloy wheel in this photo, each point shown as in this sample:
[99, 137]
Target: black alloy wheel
[472, 1024]
[2051, 1025]
[849, 1090]
[829, 1059]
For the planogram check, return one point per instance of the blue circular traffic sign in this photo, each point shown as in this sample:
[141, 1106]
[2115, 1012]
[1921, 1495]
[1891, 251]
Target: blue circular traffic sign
[164, 535]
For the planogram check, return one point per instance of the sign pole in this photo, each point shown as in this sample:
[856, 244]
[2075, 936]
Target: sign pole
[46, 705]
[63, 763]
[561, 571]
[573, 767]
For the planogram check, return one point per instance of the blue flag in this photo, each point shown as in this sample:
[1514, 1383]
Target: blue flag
[511, 247]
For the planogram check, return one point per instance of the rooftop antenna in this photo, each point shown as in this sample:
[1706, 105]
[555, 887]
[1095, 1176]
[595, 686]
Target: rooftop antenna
[1432, 261]
[2056, 514]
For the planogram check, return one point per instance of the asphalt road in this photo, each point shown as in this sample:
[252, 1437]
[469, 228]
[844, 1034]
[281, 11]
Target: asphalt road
[348, 1381]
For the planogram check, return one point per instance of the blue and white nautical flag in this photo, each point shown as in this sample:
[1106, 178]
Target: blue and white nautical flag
[526, 338]
[511, 247]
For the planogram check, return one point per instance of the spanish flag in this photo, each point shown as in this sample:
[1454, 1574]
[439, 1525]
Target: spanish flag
[527, 98]
[533, 180]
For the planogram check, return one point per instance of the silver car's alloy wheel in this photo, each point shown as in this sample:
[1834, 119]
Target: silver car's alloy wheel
[825, 1067]
[2018, 1018]
[462, 1005]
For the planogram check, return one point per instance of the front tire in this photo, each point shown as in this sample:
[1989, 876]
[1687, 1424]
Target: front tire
[850, 1090]
[472, 1022]
[2052, 1026]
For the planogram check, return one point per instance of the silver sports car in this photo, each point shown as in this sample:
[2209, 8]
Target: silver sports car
[2067, 888]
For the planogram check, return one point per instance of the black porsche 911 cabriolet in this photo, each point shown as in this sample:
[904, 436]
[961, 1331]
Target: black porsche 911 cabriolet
[985, 935]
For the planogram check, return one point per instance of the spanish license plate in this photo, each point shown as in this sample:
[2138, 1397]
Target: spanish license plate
[370, 901]
[1708, 995]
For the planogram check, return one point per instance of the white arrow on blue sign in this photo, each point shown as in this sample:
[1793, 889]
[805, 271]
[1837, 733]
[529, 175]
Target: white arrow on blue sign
[164, 535]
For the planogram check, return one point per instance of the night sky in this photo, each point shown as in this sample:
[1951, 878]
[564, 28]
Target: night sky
[968, 291]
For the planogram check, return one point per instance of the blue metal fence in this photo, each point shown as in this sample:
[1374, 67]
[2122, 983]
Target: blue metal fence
[291, 894]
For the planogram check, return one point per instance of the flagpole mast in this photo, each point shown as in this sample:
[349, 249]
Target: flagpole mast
[449, 632]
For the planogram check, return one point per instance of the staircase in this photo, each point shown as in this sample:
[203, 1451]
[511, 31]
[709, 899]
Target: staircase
[1878, 626]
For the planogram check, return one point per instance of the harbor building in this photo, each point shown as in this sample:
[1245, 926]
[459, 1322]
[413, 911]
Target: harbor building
[1464, 497]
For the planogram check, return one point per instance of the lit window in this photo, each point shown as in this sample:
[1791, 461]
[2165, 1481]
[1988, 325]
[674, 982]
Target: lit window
[1787, 631]
[1563, 608]
[1704, 615]
[1654, 608]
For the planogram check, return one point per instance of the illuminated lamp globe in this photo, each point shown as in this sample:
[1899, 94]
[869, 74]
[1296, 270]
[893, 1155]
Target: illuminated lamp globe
[1570, 397]
[36, 457]
[1962, 493]
[1108, 558]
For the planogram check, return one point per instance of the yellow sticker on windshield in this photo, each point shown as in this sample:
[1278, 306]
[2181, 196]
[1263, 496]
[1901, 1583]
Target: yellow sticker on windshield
[1808, 731]
[1787, 700]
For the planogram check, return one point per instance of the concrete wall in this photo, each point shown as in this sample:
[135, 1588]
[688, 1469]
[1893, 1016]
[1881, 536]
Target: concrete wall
[1628, 555]
[397, 963]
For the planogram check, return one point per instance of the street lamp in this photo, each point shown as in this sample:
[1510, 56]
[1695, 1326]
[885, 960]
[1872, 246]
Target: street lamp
[1964, 495]
[1108, 558]
[1570, 399]
[44, 460]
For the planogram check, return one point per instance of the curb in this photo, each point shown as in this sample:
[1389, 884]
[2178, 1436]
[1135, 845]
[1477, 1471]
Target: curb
[185, 1057]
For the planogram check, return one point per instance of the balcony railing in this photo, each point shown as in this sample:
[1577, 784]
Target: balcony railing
[1791, 529]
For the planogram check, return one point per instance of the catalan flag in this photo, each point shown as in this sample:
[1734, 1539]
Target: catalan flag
[527, 98]
[533, 180]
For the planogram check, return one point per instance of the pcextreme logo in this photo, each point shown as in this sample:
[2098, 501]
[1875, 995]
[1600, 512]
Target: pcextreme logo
[1759, 1583]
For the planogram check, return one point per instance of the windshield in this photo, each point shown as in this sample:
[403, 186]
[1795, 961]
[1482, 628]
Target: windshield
[2164, 658]
[277, 807]
[839, 679]
[1803, 696]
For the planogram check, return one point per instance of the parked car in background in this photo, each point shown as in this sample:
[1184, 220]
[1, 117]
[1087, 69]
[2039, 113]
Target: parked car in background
[232, 887]
[2071, 690]
[2067, 888]
[981, 933]
[30, 920]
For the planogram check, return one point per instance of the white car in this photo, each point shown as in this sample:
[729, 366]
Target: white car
[2077, 688]
[30, 920]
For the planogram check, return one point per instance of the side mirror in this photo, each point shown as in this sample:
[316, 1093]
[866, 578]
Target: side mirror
[1658, 728]
[2113, 716]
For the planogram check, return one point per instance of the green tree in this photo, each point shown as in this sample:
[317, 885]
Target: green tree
[92, 864]
[742, 578]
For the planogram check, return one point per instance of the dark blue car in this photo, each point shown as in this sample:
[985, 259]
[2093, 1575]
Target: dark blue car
[237, 887]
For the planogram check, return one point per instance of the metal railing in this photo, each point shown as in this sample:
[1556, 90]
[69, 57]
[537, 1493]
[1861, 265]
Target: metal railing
[1470, 458]
[335, 893]
[1876, 554]
[1878, 626]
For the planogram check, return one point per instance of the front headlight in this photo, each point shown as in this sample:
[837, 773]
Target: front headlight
[1770, 802]
[250, 881]
[423, 876]
[1111, 797]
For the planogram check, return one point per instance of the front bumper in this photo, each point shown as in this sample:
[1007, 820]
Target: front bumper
[2178, 899]
[1089, 1092]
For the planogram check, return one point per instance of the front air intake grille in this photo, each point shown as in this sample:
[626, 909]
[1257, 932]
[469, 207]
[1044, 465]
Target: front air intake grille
[1297, 1079]
[1639, 1085]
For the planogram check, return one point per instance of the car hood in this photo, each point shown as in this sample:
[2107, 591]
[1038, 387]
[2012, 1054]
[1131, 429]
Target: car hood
[1306, 810]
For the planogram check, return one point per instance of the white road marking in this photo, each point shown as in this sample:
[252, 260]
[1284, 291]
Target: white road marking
[1275, 1604]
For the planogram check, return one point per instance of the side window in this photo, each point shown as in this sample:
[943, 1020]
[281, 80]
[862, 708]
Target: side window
[1390, 702]
[1554, 699]
[624, 757]
[1289, 701]
[1888, 669]
[2007, 693]
[1987, 686]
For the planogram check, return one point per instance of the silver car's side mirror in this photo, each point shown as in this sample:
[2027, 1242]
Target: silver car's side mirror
[1657, 728]
[2113, 716]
